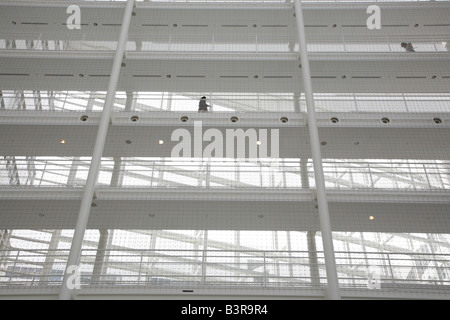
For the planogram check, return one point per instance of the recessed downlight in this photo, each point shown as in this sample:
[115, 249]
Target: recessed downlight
[437, 120]
[371, 218]
[161, 142]
[62, 141]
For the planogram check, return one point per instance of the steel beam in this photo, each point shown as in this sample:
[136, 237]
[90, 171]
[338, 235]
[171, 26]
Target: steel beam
[324, 215]
[83, 216]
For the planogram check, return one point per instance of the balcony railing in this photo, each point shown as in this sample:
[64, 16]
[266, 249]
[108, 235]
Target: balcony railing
[187, 269]
[213, 43]
[222, 102]
[172, 173]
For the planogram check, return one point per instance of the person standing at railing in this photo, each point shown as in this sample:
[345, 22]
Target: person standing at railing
[408, 47]
[203, 106]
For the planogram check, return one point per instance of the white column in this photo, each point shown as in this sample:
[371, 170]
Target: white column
[99, 264]
[83, 216]
[324, 216]
[313, 261]
[130, 102]
[2, 101]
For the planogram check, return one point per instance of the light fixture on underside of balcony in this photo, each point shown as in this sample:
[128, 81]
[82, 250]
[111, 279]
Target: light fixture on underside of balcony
[284, 119]
[437, 120]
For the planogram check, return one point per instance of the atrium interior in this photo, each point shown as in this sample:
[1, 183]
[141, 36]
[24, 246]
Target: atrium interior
[107, 165]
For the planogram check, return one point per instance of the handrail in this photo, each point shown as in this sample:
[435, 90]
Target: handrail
[286, 174]
[241, 268]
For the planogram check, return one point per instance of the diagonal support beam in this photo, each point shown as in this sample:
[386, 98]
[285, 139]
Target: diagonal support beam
[324, 215]
[83, 216]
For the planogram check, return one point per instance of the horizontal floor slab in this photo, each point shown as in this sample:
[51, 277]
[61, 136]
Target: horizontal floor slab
[238, 209]
[226, 72]
[355, 136]
[325, 22]
[412, 291]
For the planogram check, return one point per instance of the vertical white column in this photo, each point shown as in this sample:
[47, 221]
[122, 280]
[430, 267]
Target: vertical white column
[130, 103]
[333, 291]
[313, 261]
[83, 216]
[2, 101]
[99, 264]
